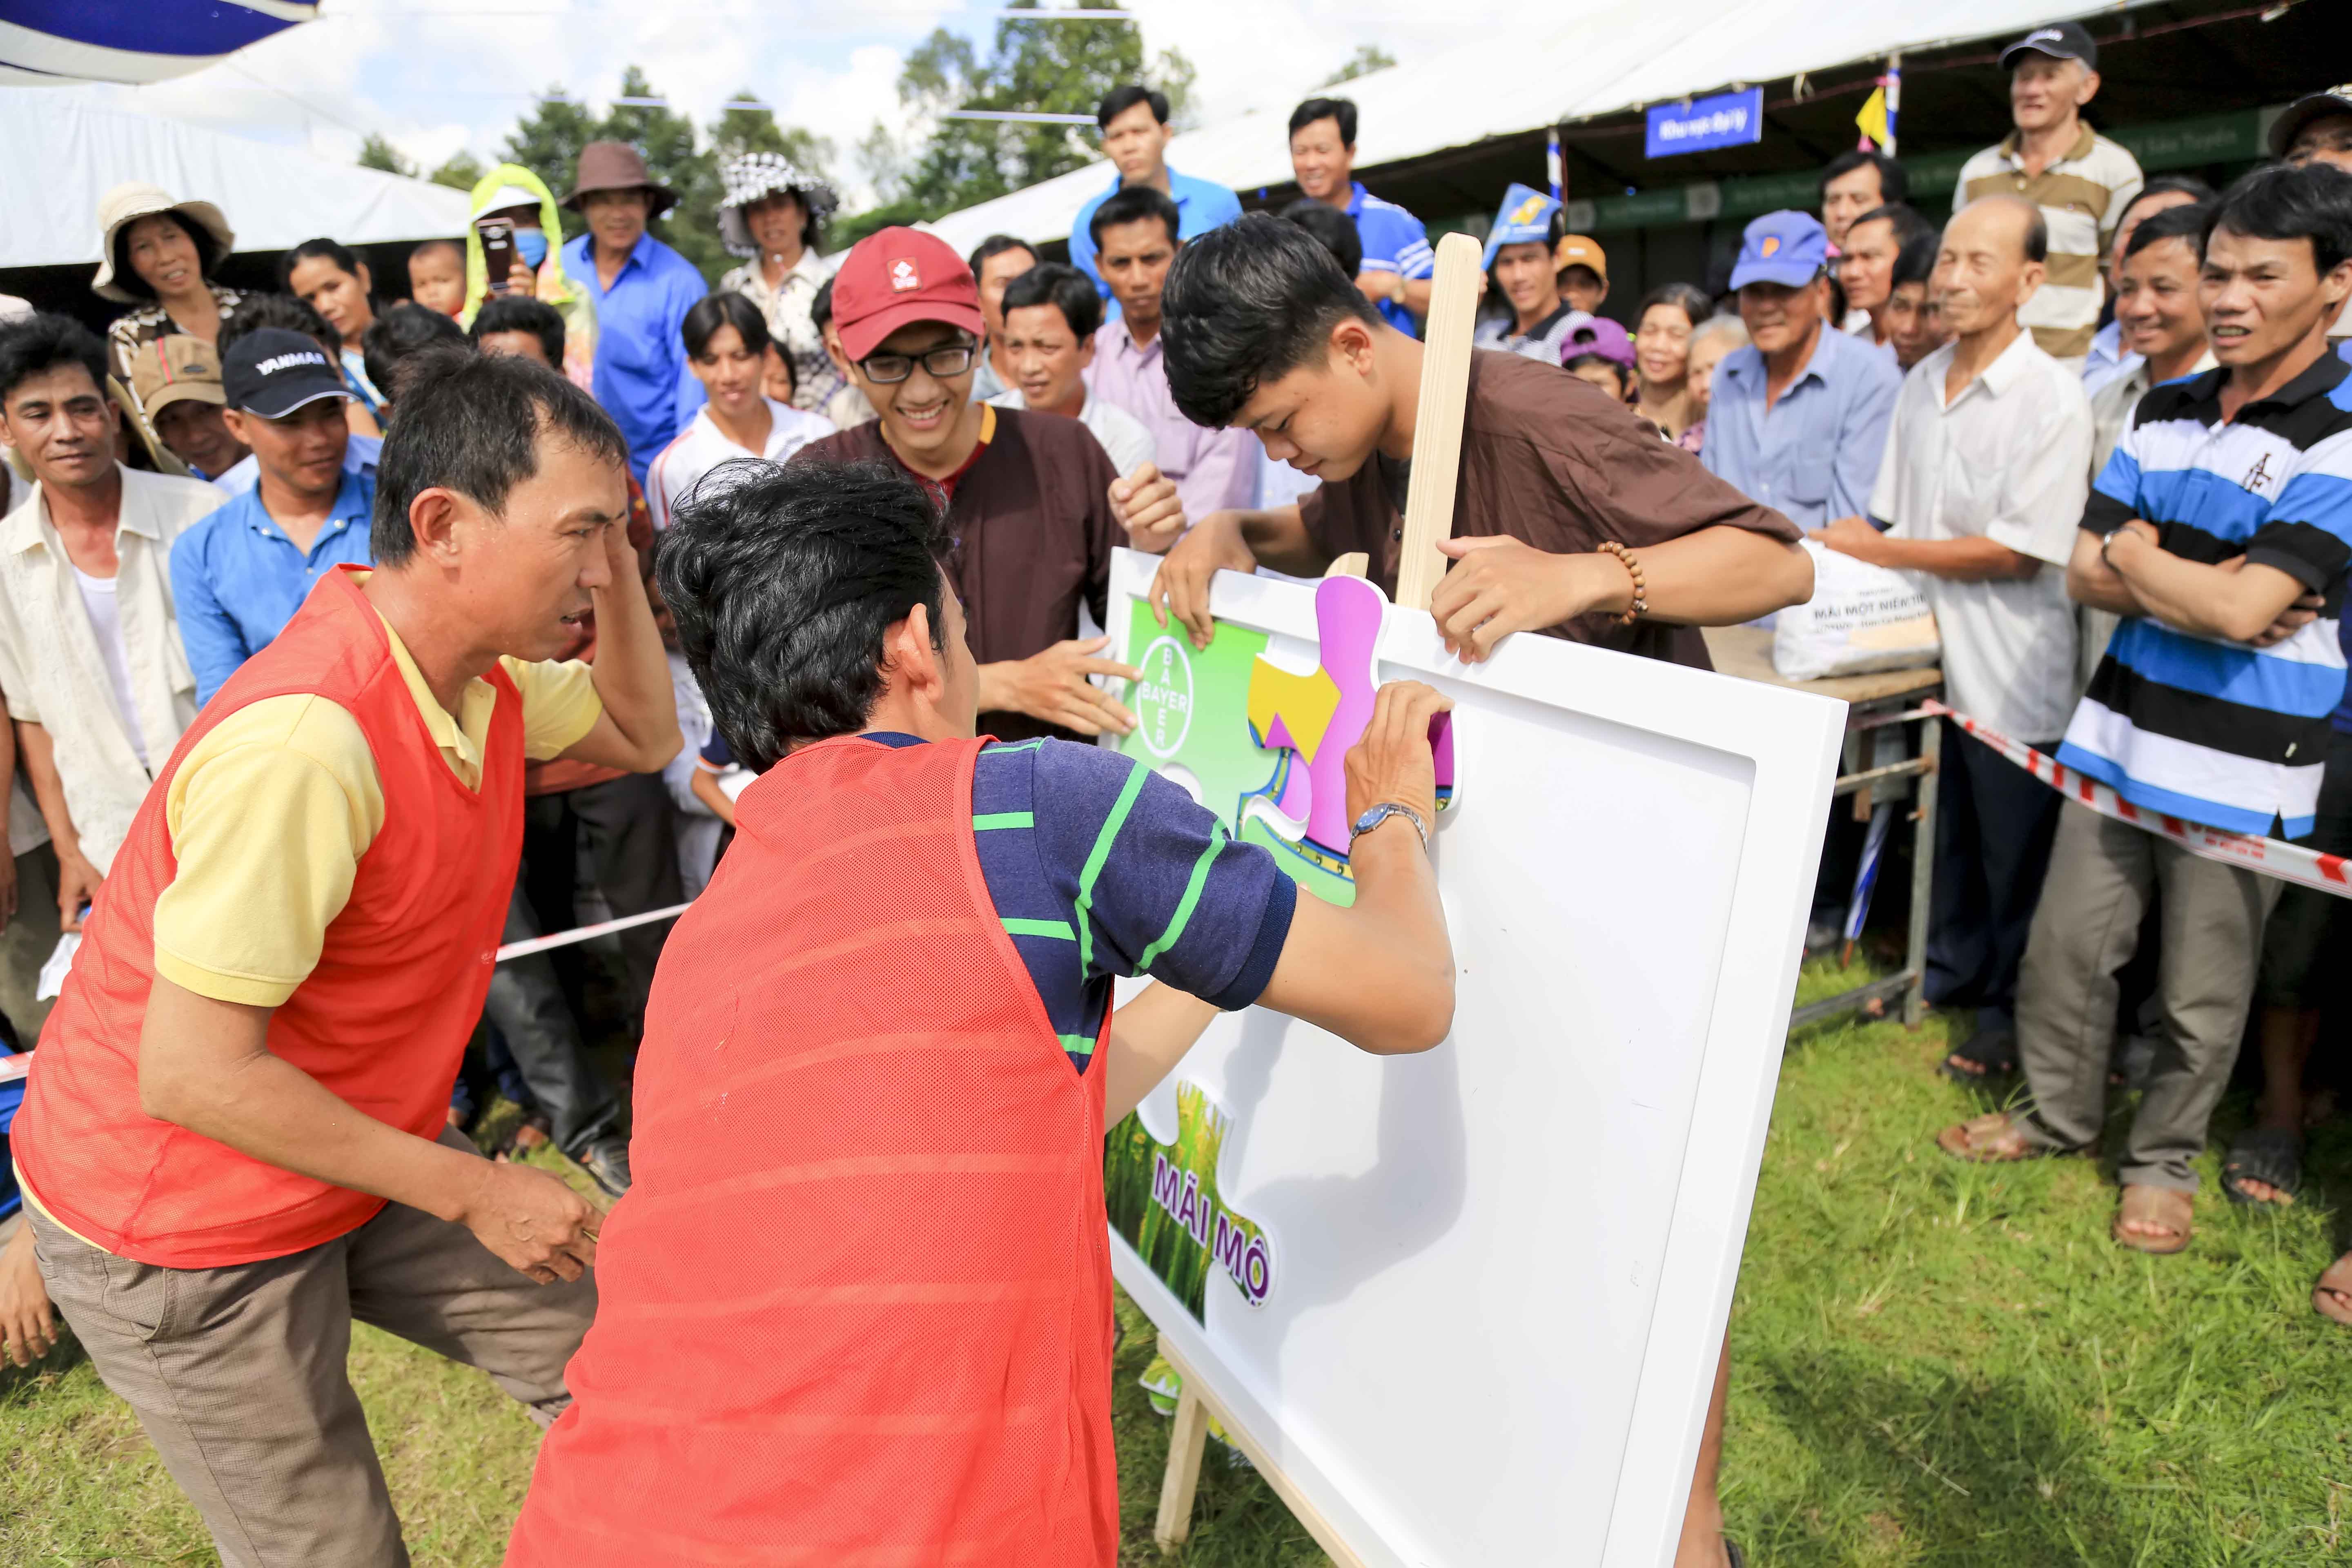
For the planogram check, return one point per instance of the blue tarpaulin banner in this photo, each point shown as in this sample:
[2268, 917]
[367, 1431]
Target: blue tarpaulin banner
[1725, 120]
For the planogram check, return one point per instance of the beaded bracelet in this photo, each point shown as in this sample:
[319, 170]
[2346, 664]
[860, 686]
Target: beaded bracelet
[1640, 589]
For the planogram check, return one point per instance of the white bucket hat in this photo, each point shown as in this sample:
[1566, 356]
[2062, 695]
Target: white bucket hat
[757, 175]
[125, 204]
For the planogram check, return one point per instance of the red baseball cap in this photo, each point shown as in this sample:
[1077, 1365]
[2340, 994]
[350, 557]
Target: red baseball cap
[895, 276]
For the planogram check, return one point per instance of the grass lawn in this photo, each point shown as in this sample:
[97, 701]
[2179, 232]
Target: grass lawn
[1931, 1364]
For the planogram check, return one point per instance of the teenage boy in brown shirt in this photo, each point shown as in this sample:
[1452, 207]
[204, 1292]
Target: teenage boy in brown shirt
[1264, 332]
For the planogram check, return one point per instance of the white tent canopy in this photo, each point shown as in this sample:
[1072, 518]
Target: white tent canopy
[64, 152]
[1606, 56]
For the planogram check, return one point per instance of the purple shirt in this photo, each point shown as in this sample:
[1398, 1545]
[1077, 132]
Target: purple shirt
[1214, 470]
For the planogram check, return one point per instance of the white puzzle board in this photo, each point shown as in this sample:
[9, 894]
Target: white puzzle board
[1505, 1267]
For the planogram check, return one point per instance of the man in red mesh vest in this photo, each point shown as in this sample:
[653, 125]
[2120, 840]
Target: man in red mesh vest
[857, 1307]
[234, 1142]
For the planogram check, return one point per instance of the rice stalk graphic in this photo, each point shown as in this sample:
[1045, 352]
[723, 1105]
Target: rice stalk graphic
[1151, 1189]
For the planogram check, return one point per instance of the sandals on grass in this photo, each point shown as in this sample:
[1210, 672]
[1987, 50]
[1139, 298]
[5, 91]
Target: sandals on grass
[2171, 1211]
[1988, 1054]
[1989, 1139]
[2270, 1155]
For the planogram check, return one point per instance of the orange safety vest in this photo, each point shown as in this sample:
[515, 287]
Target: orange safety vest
[382, 1020]
[857, 1309]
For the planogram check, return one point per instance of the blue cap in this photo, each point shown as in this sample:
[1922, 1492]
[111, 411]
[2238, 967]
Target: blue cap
[1785, 248]
[1523, 218]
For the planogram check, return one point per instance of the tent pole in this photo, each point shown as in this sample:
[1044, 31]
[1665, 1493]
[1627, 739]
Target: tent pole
[1893, 97]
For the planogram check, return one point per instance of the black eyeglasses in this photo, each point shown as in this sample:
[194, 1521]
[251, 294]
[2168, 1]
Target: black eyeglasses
[946, 361]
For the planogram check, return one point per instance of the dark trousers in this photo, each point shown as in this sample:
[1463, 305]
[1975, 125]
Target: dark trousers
[623, 828]
[1994, 822]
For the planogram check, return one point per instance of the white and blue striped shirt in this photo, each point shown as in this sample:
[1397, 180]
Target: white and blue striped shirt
[2225, 733]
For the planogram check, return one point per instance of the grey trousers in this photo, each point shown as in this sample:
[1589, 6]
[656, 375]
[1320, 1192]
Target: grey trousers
[238, 1373]
[2101, 875]
[29, 940]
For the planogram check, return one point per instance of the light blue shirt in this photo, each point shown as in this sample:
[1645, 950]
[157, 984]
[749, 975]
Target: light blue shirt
[237, 579]
[641, 375]
[2107, 359]
[1815, 455]
[1201, 206]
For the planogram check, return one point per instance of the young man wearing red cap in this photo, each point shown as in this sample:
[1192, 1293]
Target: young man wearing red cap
[1032, 501]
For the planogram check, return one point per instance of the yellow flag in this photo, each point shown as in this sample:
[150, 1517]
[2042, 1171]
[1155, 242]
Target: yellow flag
[1872, 117]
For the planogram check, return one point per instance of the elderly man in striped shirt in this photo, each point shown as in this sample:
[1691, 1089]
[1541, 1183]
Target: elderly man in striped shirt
[2081, 181]
[2221, 531]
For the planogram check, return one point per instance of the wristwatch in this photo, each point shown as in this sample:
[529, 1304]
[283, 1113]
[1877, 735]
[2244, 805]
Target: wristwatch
[1381, 814]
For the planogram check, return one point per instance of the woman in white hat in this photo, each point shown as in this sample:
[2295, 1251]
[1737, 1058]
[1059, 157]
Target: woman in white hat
[772, 214]
[158, 255]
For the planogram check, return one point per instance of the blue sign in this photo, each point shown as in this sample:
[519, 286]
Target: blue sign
[1726, 120]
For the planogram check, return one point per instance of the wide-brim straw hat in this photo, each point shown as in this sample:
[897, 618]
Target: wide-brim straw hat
[126, 205]
[755, 177]
[616, 167]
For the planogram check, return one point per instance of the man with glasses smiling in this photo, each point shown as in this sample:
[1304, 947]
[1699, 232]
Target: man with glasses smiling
[1031, 502]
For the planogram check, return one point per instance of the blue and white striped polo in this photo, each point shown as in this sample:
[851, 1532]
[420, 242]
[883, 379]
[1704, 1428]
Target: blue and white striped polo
[2218, 733]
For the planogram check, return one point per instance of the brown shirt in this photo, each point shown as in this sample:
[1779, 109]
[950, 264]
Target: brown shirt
[1032, 528]
[1549, 459]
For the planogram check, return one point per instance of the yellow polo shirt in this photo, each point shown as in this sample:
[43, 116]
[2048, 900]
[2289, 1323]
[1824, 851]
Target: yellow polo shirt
[272, 810]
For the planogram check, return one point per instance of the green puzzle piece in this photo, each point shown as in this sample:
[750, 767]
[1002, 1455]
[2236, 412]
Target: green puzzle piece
[1163, 1199]
[1192, 710]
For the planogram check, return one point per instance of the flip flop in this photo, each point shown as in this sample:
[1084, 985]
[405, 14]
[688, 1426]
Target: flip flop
[1732, 1554]
[2160, 1205]
[2270, 1155]
[2335, 1301]
[1989, 1053]
[1975, 1141]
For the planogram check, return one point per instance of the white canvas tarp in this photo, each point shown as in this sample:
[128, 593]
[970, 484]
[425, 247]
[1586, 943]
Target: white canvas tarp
[64, 152]
[1604, 56]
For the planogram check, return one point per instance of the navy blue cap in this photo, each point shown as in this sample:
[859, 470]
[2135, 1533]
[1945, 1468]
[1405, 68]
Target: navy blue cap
[274, 371]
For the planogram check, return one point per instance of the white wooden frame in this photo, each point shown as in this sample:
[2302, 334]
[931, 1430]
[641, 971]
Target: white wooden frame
[1790, 740]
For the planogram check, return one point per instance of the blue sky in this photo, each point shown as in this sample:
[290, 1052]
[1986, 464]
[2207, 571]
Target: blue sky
[438, 75]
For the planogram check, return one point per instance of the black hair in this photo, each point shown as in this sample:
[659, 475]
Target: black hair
[821, 306]
[399, 334]
[1133, 204]
[514, 313]
[1902, 220]
[2288, 201]
[996, 244]
[1066, 288]
[1342, 110]
[342, 255]
[1916, 262]
[726, 308]
[30, 345]
[1893, 184]
[428, 246]
[290, 311]
[210, 252]
[1624, 376]
[791, 370]
[1335, 229]
[1687, 297]
[471, 423]
[2186, 221]
[2189, 186]
[784, 579]
[1245, 303]
[1120, 99]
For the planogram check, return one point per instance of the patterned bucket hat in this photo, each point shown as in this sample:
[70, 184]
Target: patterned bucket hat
[754, 177]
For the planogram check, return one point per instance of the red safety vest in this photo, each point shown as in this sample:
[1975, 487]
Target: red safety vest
[381, 1021]
[857, 1309]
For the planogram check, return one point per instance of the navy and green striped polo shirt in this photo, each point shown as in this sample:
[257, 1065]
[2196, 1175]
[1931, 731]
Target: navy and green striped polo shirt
[2226, 734]
[1101, 868]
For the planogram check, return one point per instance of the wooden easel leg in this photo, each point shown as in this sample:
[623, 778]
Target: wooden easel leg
[1186, 1442]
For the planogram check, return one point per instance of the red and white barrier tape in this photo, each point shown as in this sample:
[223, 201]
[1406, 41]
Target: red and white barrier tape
[582, 934]
[2270, 856]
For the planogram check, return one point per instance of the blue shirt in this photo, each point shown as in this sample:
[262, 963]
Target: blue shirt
[1814, 457]
[641, 377]
[1200, 207]
[1393, 241]
[2226, 734]
[236, 579]
[1099, 868]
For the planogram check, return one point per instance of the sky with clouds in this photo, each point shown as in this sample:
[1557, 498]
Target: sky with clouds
[436, 75]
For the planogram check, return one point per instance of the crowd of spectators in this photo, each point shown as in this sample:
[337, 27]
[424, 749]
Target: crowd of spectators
[2097, 418]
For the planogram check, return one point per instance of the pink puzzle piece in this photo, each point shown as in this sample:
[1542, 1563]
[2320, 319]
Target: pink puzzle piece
[1320, 716]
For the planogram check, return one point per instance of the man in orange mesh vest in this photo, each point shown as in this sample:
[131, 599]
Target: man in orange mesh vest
[857, 1307]
[235, 1140]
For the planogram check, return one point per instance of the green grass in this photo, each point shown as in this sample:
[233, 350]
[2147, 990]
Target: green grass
[1932, 1364]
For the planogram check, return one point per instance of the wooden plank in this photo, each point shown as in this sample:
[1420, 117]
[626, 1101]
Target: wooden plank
[1355, 564]
[1437, 423]
[1186, 1442]
[1256, 1452]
